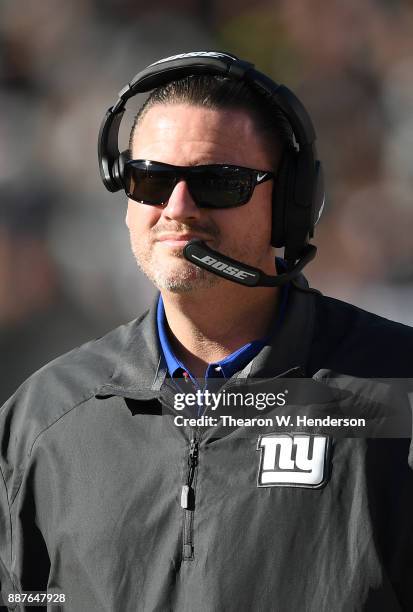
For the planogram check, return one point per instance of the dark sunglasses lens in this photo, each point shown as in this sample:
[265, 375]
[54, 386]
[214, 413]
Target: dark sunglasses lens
[151, 186]
[220, 188]
[210, 187]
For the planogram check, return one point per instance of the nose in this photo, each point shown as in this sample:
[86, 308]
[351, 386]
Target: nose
[180, 205]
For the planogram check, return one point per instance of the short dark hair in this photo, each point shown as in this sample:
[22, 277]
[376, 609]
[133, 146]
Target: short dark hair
[223, 93]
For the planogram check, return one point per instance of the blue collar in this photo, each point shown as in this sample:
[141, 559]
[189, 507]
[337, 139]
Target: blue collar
[228, 366]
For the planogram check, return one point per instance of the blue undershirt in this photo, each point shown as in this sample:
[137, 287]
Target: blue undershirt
[231, 364]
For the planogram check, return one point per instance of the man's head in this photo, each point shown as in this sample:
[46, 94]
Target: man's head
[205, 120]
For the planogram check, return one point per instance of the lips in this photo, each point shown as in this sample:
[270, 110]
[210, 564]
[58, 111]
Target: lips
[179, 239]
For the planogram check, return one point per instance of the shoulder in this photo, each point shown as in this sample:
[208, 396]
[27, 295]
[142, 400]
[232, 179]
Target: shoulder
[84, 369]
[360, 343]
[64, 383]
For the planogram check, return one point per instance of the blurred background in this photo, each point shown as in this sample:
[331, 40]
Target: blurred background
[66, 272]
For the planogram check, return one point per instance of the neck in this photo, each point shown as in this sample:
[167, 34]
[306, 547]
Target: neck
[207, 325]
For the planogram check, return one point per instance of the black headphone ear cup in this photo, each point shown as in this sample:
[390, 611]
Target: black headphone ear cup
[123, 158]
[118, 168]
[283, 194]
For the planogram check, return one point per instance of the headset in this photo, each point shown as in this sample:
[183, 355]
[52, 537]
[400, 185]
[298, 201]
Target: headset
[298, 194]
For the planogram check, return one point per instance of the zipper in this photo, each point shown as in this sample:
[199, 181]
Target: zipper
[188, 501]
[188, 488]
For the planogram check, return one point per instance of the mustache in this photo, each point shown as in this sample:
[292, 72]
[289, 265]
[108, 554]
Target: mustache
[206, 229]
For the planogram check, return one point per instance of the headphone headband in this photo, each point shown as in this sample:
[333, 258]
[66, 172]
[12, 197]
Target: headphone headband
[179, 66]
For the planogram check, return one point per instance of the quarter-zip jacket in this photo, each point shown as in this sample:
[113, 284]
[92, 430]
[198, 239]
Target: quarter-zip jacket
[104, 499]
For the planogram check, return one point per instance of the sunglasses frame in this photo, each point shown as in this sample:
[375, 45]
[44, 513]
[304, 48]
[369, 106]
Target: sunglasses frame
[255, 177]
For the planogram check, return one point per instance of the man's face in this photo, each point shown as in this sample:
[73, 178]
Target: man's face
[185, 135]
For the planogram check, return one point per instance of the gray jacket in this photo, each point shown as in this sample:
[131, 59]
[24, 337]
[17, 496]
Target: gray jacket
[95, 474]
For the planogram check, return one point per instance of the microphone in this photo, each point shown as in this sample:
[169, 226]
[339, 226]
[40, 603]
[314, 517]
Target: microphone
[197, 252]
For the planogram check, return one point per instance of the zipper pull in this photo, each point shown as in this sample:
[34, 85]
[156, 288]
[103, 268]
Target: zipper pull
[185, 497]
[186, 490]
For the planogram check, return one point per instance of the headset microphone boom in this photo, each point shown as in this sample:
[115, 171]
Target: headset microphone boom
[203, 256]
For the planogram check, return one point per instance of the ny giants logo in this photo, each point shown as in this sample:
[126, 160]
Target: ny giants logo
[295, 460]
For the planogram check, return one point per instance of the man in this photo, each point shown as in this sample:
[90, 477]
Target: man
[113, 501]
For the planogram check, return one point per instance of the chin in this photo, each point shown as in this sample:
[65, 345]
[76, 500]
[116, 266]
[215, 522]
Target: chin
[184, 279]
[180, 284]
[175, 274]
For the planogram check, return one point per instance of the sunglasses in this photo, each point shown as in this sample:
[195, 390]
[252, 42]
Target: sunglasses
[211, 185]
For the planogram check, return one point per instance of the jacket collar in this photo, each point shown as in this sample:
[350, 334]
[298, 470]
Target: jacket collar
[140, 365]
[290, 345]
[141, 368]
